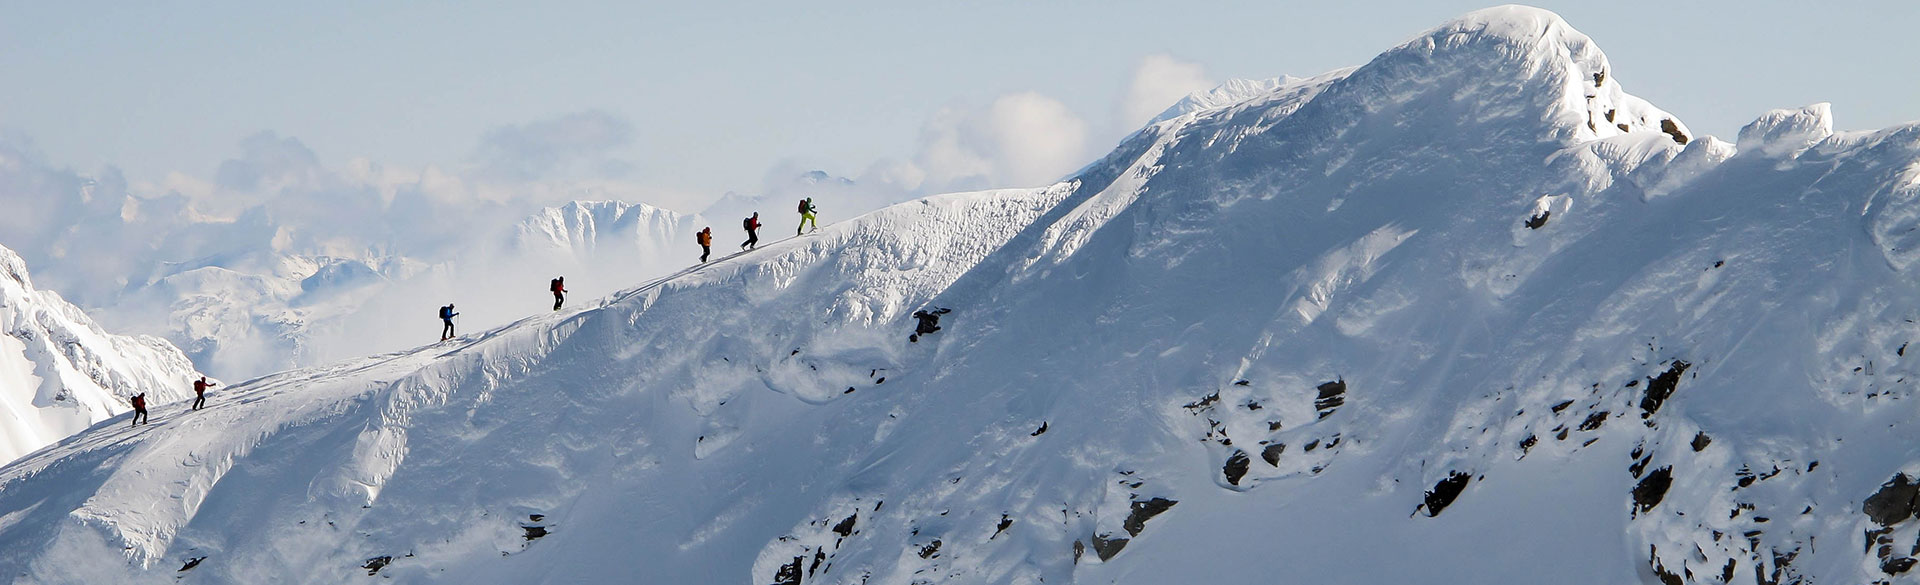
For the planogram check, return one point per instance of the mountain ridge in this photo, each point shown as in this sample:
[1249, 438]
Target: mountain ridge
[1341, 332]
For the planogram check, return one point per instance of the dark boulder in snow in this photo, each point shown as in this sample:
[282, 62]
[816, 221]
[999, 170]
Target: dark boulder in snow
[1894, 502]
[1652, 488]
[789, 574]
[1332, 396]
[1106, 546]
[1236, 466]
[1897, 565]
[1661, 387]
[1443, 493]
[1539, 220]
[1144, 511]
[1271, 453]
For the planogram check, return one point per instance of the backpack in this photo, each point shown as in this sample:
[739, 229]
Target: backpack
[140, 402]
[805, 205]
[555, 287]
[446, 312]
[747, 224]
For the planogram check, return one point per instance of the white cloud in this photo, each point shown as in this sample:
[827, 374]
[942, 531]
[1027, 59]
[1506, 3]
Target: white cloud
[1158, 82]
[1021, 139]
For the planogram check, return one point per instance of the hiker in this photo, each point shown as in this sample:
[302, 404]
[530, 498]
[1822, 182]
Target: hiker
[752, 225]
[929, 323]
[706, 242]
[806, 215]
[559, 288]
[200, 392]
[139, 409]
[446, 316]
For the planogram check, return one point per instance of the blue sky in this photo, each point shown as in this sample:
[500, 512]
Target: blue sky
[689, 100]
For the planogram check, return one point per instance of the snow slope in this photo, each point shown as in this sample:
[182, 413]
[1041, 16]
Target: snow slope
[60, 373]
[1468, 312]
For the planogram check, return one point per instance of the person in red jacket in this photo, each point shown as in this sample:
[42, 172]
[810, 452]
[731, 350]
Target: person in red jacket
[559, 288]
[139, 408]
[706, 242]
[200, 392]
[752, 225]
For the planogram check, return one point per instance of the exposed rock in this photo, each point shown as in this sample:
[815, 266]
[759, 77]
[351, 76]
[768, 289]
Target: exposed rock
[1894, 502]
[1203, 402]
[1538, 221]
[1079, 549]
[1700, 441]
[1105, 548]
[1142, 511]
[1332, 396]
[1005, 523]
[1668, 126]
[1561, 406]
[932, 548]
[1272, 453]
[789, 574]
[1443, 493]
[535, 532]
[376, 563]
[1039, 431]
[1236, 466]
[1897, 565]
[1652, 488]
[1594, 420]
[1661, 387]
[191, 563]
[844, 528]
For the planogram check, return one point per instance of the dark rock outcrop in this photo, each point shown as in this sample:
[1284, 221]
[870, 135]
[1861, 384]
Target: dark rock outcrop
[1660, 388]
[1142, 511]
[1332, 396]
[1106, 546]
[1236, 466]
[1443, 493]
[1894, 502]
[374, 564]
[1652, 488]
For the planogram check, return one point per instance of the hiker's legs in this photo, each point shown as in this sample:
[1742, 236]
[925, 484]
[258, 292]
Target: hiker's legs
[199, 401]
[557, 300]
[704, 251]
[446, 333]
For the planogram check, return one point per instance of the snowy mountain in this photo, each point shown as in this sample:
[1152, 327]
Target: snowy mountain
[1466, 313]
[60, 373]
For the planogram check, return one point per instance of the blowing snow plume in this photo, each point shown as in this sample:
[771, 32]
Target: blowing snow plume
[1301, 335]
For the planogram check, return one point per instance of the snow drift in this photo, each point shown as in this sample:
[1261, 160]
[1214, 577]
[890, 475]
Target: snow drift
[1466, 312]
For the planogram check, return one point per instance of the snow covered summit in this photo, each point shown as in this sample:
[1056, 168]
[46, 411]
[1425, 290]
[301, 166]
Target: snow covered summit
[1466, 313]
[60, 373]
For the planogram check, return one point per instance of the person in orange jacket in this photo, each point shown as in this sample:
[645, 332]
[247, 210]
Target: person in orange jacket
[706, 242]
